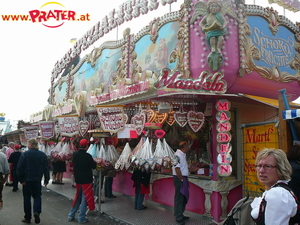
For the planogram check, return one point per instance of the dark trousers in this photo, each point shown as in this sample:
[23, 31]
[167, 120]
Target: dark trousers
[179, 201]
[139, 197]
[15, 179]
[32, 189]
[1, 186]
[108, 186]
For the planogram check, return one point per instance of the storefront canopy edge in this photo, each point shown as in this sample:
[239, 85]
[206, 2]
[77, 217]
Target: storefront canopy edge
[268, 101]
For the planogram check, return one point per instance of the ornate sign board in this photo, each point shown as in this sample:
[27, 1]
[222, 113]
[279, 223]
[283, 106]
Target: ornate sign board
[68, 125]
[47, 129]
[31, 132]
[224, 157]
[111, 118]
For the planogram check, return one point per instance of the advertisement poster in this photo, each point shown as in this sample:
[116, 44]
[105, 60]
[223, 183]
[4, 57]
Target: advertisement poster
[255, 139]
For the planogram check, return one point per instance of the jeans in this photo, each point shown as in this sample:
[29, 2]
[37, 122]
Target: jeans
[139, 198]
[80, 202]
[108, 186]
[32, 189]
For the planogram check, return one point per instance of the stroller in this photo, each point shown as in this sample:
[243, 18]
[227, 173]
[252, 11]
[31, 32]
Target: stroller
[240, 214]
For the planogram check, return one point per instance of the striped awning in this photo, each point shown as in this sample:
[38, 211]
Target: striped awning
[290, 114]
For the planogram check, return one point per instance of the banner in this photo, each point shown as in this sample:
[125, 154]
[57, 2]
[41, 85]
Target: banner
[47, 129]
[68, 125]
[256, 138]
[31, 132]
[111, 118]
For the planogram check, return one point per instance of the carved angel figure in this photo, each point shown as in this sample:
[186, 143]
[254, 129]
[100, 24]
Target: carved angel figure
[214, 23]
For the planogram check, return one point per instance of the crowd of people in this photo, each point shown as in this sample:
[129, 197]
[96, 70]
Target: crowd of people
[277, 170]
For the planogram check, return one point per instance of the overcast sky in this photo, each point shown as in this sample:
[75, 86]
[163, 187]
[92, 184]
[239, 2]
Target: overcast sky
[30, 50]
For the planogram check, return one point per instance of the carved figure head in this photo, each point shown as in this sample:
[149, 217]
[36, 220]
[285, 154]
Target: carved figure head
[214, 6]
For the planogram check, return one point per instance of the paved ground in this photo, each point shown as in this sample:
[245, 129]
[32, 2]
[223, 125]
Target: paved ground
[55, 210]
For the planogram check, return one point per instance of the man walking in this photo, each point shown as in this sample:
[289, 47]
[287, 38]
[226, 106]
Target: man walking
[32, 166]
[4, 171]
[83, 164]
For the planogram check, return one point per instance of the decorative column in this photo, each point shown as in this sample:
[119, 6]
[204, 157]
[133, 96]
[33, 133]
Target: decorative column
[207, 202]
[224, 203]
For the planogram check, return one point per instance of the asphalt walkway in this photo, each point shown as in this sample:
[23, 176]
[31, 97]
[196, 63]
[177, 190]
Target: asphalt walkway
[57, 200]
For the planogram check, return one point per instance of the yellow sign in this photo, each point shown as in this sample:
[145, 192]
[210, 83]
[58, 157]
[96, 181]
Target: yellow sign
[255, 139]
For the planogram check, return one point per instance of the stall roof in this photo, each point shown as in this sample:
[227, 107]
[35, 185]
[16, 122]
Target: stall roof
[268, 101]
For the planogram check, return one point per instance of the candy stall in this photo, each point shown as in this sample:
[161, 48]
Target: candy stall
[208, 74]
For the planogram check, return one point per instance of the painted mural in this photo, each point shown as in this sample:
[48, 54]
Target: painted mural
[154, 56]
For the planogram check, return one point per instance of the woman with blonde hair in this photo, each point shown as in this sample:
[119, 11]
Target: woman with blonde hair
[277, 205]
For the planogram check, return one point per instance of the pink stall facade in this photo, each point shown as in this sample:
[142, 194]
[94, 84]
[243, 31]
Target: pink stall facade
[202, 73]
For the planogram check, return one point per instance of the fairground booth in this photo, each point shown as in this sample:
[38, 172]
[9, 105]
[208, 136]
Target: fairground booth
[215, 73]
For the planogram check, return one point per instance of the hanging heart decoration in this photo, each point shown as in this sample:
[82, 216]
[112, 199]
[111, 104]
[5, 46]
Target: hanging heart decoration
[195, 120]
[47, 113]
[79, 101]
[97, 123]
[139, 121]
[181, 118]
[150, 114]
[160, 117]
[171, 118]
[159, 133]
[83, 127]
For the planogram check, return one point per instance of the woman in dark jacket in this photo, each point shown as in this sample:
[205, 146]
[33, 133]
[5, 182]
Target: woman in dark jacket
[141, 181]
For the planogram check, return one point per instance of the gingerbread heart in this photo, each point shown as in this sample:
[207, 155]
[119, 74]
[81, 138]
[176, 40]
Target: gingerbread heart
[139, 121]
[83, 127]
[151, 114]
[160, 117]
[181, 118]
[171, 118]
[195, 120]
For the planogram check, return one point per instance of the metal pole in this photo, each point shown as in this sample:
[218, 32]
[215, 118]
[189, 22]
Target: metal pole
[287, 107]
[99, 192]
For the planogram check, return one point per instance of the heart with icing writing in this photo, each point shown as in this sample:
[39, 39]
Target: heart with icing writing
[160, 117]
[181, 118]
[159, 133]
[139, 122]
[195, 120]
[83, 127]
[171, 118]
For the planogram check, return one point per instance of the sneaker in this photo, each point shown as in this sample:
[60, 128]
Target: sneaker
[70, 219]
[86, 220]
[25, 221]
[37, 217]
